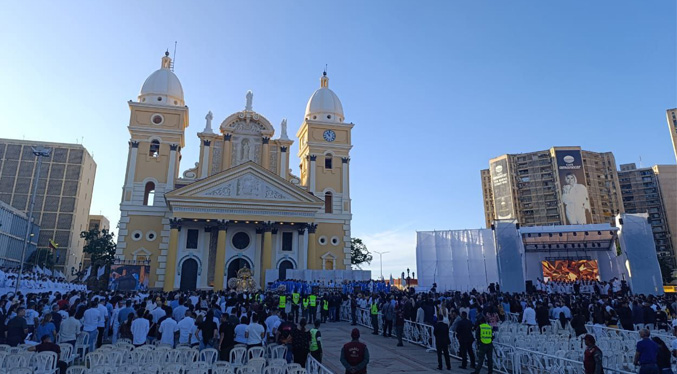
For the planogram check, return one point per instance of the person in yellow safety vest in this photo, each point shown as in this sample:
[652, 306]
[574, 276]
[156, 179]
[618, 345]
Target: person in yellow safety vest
[373, 309]
[283, 302]
[295, 299]
[325, 309]
[485, 335]
[306, 302]
[313, 308]
[316, 342]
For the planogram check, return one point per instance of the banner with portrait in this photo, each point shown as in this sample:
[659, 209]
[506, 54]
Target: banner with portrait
[501, 184]
[573, 186]
[130, 277]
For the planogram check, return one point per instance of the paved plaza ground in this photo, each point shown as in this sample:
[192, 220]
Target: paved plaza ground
[385, 356]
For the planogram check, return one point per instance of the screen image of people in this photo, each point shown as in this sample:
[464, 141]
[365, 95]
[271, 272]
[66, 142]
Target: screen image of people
[575, 199]
[570, 270]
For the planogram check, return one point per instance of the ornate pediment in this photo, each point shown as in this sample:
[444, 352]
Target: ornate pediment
[247, 186]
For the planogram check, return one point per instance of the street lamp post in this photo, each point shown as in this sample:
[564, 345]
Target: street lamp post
[380, 259]
[39, 153]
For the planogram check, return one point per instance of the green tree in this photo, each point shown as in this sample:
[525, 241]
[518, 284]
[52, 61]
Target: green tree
[100, 245]
[359, 253]
[43, 257]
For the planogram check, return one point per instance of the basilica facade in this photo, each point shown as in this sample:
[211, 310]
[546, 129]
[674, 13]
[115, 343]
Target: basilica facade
[239, 205]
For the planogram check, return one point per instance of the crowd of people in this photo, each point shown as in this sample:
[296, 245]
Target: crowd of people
[36, 280]
[589, 286]
[293, 316]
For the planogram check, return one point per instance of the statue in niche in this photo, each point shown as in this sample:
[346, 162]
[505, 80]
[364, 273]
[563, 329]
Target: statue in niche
[244, 157]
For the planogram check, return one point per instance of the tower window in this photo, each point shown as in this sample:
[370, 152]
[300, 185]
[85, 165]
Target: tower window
[154, 150]
[287, 240]
[192, 238]
[328, 161]
[328, 197]
[149, 194]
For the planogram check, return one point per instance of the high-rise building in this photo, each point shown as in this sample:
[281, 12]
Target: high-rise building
[63, 197]
[645, 192]
[671, 114]
[559, 186]
[96, 221]
[13, 225]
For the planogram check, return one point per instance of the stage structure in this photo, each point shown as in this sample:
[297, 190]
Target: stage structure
[515, 256]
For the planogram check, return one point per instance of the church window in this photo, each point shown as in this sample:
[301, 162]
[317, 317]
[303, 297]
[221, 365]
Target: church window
[328, 161]
[328, 202]
[154, 150]
[287, 240]
[149, 194]
[328, 116]
[191, 238]
[157, 119]
[241, 240]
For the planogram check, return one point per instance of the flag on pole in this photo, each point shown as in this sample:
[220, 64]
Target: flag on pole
[89, 271]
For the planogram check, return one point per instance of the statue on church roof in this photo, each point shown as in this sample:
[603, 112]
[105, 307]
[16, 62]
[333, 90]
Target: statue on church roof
[250, 98]
[208, 126]
[283, 132]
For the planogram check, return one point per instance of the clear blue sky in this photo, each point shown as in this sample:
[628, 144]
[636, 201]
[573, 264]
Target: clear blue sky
[435, 89]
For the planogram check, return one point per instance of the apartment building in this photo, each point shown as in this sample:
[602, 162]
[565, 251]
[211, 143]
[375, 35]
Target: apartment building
[558, 186]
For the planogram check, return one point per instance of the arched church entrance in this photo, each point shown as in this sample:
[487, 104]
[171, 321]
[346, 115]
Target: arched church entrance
[188, 275]
[284, 266]
[236, 265]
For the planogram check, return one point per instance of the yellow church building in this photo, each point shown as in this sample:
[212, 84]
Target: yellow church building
[240, 205]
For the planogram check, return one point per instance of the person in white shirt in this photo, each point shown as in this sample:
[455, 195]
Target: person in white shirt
[69, 329]
[185, 327]
[529, 316]
[158, 313]
[254, 333]
[271, 323]
[240, 330]
[103, 317]
[114, 321]
[90, 321]
[168, 329]
[140, 328]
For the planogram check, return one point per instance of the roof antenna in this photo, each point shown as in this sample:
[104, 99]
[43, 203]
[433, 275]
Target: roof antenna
[174, 59]
[640, 162]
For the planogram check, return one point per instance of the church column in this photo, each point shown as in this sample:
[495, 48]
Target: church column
[265, 157]
[267, 251]
[303, 249]
[227, 151]
[312, 255]
[220, 261]
[345, 188]
[170, 269]
[283, 162]
[204, 167]
[171, 172]
[131, 168]
[311, 174]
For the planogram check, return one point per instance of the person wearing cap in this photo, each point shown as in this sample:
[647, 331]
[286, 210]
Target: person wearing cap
[355, 355]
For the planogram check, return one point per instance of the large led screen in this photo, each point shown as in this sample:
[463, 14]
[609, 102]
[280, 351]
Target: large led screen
[570, 270]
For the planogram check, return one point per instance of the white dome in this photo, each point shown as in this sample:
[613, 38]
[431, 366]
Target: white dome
[162, 87]
[324, 105]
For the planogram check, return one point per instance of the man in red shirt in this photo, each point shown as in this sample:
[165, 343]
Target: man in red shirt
[355, 355]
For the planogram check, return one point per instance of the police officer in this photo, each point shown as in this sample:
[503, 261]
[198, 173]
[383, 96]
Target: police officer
[485, 335]
[282, 304]
[325, 308]
[305, 303]
[313, 308]
[316, 342]
[295, 304]
[355, 355]
[373, 310]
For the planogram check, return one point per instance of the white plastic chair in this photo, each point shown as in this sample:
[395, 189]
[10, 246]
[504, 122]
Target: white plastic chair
[247, 370]
[4, 347]
[296, 371]
[209, 355]
[76, 369]
[3, 354]
[279, 351]
[17, 361]
[274, 370]
[255, 352]
[223, 370]
[238, 356]
[22, 370]
[172, 369]
[102, 370]
[188, 356]
[82, 345]
[278, 362]
[44, 363]
[257, 362]
[294, 366]
[66, 353]
[94, 359]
